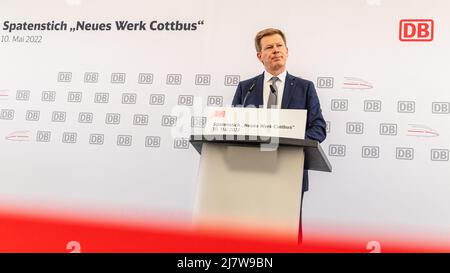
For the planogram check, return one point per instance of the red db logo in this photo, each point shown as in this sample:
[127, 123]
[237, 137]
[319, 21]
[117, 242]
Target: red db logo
[412, 30]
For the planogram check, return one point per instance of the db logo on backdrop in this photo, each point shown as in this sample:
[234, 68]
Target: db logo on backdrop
[416, 30]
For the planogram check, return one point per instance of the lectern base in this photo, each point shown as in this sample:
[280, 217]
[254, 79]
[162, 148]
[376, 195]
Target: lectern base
[245, 188]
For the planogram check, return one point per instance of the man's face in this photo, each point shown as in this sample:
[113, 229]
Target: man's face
[273, 53]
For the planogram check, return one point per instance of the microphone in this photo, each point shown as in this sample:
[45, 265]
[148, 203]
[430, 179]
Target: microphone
[248, 93]
[272, 89]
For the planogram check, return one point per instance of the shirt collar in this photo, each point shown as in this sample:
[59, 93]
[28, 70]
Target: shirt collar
[281, 77]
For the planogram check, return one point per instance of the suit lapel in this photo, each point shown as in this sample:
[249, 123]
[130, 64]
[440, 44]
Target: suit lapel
[259, 90]
[288, 91]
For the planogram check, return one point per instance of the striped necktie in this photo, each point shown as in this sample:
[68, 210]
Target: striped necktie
[272, 102]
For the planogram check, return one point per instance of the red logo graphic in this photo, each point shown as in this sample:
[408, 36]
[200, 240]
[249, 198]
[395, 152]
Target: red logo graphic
[356, 83]
[4, 94]
[417, 30]
[219, 114]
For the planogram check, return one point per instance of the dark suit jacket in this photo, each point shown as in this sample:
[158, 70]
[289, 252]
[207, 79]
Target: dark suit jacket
[298, 94]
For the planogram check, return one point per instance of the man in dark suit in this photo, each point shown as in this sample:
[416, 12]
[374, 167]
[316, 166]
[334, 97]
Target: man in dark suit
[276, 88]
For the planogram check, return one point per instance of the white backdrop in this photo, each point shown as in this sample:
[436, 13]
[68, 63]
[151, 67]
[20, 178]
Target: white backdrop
[351, 41]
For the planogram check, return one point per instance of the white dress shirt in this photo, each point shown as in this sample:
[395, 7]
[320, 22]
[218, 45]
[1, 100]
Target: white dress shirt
[280, 85]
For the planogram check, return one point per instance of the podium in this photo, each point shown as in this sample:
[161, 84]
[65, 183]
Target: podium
[251, 183]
